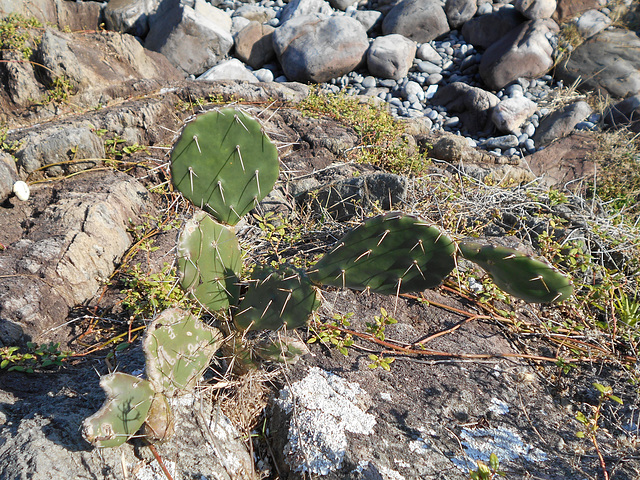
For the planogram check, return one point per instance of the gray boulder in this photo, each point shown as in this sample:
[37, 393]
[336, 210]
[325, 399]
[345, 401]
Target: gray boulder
[511, 112]
[592, 22]
[254, 44]
[536, 9]
[561, 122]
[472, 104]
[232, 69]
[418, 20]
[20, 79]
[193, 39]
[129, 16]
[625, 114]
[608, 63]
[368, 18]
[484, 30]
[55, 53]
[525, 52]
[391, 56]
[316, 48]
[459, 11]
[254, 13]
[342, 4]
[297, 8]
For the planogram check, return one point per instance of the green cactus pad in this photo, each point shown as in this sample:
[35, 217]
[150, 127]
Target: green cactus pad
[284, 349]
[178, 348]
[518, 274]
[224, 163]
[209, 259]
[276, 298]
[389, 254]
[123, 413]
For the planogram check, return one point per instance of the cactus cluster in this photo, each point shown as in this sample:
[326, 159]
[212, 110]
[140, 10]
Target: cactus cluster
[224, 163]
[178, 348]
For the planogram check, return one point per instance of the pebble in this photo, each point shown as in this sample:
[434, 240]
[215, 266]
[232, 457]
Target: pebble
[503, 142]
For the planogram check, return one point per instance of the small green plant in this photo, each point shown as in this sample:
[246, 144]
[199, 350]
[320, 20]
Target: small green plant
[380, 322]
[59, 91]
[325, 334]
[590, 421]
[32, 358]
[380, 361]
[487, 472]
[16, 33]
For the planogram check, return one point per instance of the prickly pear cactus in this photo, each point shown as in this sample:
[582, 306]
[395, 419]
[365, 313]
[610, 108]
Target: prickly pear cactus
[518, 274]
[209, 259]
[178, 348]
[159, 425]
[123, 413]
[283, 349]
[276, 298]
[224, 163]
[389, 254]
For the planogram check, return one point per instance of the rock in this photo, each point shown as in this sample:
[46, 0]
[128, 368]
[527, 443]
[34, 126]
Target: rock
[129, 16]
[428, 53]
[72, 16]
[568, 9]
[592, 22]
[561, 122]
[317, 49]
[254, 13]
[391, 56]
[8, 175]
[485, 30]
[625, 114]
[503, 142]
[67, 253]
[511, 113]
[368, 18]
[455, 149]
[232, 69]
[459, 11]
[254, 45]
[536, 9]
[472, 104]
[46, 419]
[19, 79]
[63, 146]
[343, 198]
[264, 75]
[342, 4]
[193, 39]
[297, 8]
[525, 52]
[566, 163]
[58, 58]
[418, 20]
[609, 63]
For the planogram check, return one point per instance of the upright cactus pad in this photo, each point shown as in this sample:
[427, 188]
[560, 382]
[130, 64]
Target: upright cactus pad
[178, 348]
[276, 298]
[518, 274]
[224, 163]
[209, 259]
[389, 254]
[123, 413]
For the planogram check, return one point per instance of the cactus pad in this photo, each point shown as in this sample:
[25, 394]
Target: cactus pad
[159, 425]
[123, 413]
[389, 254]
[224, 163]
[178, 348]
[518, 274]
[209, 259]
[276, 298]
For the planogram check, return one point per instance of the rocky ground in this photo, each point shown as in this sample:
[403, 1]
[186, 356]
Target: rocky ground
[87, 260]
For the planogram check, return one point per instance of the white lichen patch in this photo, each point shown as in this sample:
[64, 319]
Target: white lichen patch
[507, 444]
[499, 407]
[323, 408]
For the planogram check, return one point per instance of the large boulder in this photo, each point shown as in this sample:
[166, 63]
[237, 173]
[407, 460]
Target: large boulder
[129, 16]
[625, 114]
[70, 15]
[485, 30]
[609, 63]
[459, 11]
[525, 52]
[193, 39]
[418, 20]
[297, 8]
[254, 44]
[391, 56]
[314, 48]
[536, 9]
[561, 122]
[473, 105]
